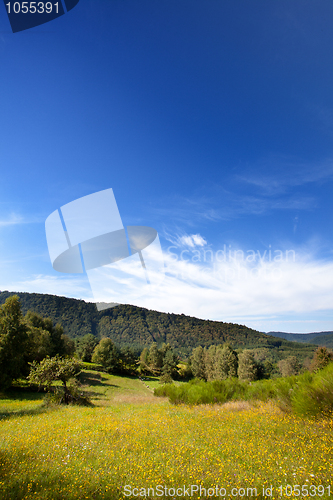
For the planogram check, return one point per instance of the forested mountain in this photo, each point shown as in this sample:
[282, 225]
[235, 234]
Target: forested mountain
[139, 327]
[316, 338]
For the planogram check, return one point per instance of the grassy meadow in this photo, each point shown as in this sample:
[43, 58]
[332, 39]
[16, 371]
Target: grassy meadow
[128, 437]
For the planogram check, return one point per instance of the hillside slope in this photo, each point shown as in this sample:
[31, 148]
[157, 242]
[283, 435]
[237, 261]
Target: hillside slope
[316, 338]
[139, 327]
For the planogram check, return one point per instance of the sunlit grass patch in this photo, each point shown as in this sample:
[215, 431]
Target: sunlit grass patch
[20, 402]
[105, 389]
[79, 453]
[131, 438]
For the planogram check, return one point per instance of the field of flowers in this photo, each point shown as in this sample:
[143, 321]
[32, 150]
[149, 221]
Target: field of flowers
[131, 439]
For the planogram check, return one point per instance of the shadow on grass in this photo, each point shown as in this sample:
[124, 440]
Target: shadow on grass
[95, 379]
[54, 486]
[16, 393]
[29, 394]
[6, 414]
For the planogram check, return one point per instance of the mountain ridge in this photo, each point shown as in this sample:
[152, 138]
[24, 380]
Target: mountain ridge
[139, 327]
[317, 338]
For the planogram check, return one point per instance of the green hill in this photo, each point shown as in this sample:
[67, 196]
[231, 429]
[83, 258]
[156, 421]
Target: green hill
[316, 338]
[139, 327]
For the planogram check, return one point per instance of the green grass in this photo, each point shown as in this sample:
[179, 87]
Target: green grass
[20, 402]
[104, 389]
[307, 395]
[129, 437]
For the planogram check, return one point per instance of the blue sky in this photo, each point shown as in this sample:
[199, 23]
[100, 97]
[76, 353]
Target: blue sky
[211, 120]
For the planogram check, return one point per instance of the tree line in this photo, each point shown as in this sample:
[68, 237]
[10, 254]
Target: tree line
[222, 361]
[33, 343]
[138, 327]
[27, 339]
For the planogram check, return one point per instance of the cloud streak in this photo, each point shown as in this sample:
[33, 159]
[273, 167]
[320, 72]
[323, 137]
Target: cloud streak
[277, 175]
[231, 290]
[12, 220]
[185, 240]
[67, 286]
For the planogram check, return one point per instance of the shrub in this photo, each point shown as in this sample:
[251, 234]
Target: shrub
[51, 370]
[305, 395]
[314, 397]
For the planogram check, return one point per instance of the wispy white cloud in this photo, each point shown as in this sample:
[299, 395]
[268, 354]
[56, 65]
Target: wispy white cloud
[15, 218]
[12, 220]
[190, 240]
[275, 176]
[269, 185]
[230, 290]
[258, 293]
[67, 286]
[226, 205]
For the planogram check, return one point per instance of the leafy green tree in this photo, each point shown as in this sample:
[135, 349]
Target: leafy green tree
[69, 345]
[107, 355]
[45, 339]
[184, 370]
[128, 360]
[289, 366]
[263, 359]
[58, 342]
[155, 360]
[85, 347]
[225, 363]
[264, 369]
[169, 368]
[13, 339]
[50, 370]
[39, 344]
[322, 357]
[247, 367]
[144, 361]
[210, 355]
[164, 349]
[198, 363]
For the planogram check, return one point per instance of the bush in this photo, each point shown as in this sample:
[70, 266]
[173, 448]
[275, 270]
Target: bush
[314, 397]
[199, 392]
[73, 396]
[309, 394]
